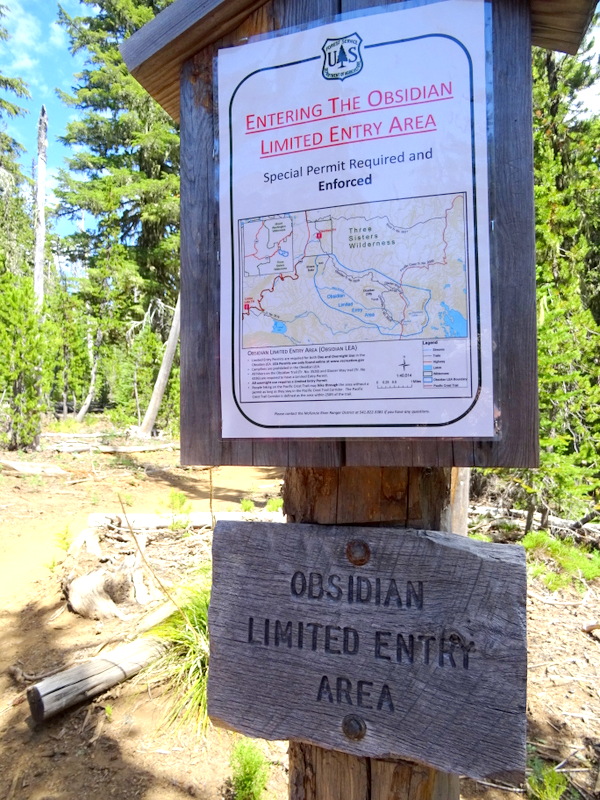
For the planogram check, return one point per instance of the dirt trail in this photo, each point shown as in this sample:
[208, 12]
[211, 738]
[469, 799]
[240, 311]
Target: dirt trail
[117, 746]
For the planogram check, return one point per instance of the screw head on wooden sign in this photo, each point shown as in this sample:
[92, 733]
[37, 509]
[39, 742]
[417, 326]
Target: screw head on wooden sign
[354, 726]
[376, 642]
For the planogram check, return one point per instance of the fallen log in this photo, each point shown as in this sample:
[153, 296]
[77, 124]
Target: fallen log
[581, 531]
[85, 681]
[31, 468]
[77, 447]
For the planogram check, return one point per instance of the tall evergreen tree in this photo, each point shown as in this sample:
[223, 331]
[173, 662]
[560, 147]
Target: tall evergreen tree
[124, 178]
[10, 87]
[125, 175]
[21, 337]
[566, 146]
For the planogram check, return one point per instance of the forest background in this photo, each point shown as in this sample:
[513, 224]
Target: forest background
[90, 334]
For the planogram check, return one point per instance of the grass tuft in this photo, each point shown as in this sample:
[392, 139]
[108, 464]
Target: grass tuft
[274, 504]
[180, 509]
[557, 561]
[183, 668]
[249, 771]
[480, 537]
[545, 783]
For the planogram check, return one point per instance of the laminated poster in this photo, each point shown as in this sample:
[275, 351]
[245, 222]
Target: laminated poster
[355, 295]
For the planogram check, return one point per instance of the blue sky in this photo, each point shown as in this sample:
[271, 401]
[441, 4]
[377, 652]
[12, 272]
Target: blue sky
[38, 52]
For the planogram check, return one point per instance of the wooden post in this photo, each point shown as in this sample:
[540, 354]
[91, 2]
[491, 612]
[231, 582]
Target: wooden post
[407, 497]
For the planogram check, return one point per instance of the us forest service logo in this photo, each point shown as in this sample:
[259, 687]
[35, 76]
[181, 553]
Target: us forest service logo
[342, 57]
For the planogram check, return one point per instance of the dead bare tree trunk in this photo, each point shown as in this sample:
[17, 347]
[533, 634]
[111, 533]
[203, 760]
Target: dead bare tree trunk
[40, 204]
[163, 375]
[95, 357]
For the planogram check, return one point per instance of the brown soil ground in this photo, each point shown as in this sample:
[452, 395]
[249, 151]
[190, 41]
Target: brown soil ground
[118, 746]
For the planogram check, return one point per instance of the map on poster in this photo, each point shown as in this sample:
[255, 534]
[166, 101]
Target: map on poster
[360, 273]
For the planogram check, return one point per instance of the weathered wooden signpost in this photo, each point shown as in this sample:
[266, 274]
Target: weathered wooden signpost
[358, 305]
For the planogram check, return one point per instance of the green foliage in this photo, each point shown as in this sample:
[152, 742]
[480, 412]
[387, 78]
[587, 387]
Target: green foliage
[566, 146]
[180, 508]
[127, 159]
[10, 150]
[64, 538]
[66, 350]
[546, 783]
[247, 505]
[22, 381]
[123, 179]
[178, 502]
[480, 537]
[274, 504]
[130, 370]
[557, 562]
[15, 86]
[184, 666]
[68, 425]
[249, 771]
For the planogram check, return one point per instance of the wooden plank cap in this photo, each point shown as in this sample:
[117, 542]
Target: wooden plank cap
[155, 54]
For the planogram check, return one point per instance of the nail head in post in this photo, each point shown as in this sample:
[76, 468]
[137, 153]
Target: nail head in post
[354, 727]
[358, 552]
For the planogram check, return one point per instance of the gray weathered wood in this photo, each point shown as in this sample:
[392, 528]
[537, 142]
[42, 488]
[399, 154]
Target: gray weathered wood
[416, 498]
[512, 239]
[84, 681]
[156, 52]
[425, 642]
[513, 274]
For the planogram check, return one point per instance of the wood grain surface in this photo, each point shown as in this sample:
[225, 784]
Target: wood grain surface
[319, 774]
[84, 681]
[424, 643]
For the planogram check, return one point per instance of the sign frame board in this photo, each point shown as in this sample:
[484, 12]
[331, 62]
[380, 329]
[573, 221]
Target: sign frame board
[372, 641]
[512, 268]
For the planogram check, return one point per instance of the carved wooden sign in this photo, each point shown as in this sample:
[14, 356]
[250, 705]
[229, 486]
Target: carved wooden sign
[378, 642]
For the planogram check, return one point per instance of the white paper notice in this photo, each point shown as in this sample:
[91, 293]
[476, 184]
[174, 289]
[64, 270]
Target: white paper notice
[354, 229]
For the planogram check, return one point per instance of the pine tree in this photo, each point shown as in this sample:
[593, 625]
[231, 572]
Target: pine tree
[565, 151]
[10, 150]
[124, 178]
[21, 335]
[128, 159]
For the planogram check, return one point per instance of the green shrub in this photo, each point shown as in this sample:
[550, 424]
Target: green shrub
[546, 783]
[183, 668]
[557, 561]
[274, 504]
[249, 771]
[480, 537]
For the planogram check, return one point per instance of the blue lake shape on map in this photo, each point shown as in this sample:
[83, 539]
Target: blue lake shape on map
[283, 253]
[279, 327]
[453, 322]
